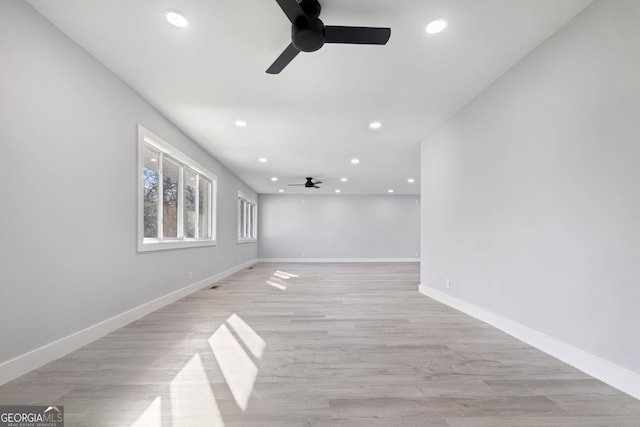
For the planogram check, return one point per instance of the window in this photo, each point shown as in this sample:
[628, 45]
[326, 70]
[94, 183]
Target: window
[247, 219]
[177, 197]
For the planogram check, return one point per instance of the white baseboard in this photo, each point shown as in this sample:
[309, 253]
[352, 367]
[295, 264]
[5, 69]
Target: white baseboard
[607, 372]
[319, 260]
[27, 362]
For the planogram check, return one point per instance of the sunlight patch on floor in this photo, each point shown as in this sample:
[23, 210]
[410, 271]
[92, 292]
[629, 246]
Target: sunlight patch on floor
[276, 285]
[152, 416]
[192, 399]
[191, 396]
[284, 274]
[249, 337]
[277, 279]
[237, 367]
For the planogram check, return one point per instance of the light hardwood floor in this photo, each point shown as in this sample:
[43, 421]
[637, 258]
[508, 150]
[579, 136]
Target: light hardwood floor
[345, 345]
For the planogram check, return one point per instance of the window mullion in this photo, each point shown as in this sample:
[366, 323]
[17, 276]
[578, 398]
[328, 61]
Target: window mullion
[247, 219]
[210, 209]
[253, 221]
[160, 195]
[197, 208]
[239, 217]
[243, 220]
[180, 232]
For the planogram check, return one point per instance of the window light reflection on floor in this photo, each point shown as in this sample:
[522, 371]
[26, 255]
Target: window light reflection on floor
[249, 337]
[192, 400]
[152, 416]
[277, 279]
[289, 275]
[238, 369]
[276, 285]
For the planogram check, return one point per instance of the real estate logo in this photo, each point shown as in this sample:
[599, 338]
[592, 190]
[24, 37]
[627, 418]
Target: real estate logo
[31, 416]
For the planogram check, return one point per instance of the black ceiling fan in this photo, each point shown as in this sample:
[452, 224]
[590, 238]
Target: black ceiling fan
[308, 32]
[308, 184]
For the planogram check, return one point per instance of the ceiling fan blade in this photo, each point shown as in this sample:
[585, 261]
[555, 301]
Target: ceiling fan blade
[356, 35]
[296, 185]
[283, 60]
[315, 186]
[292, 9]
[317, 182]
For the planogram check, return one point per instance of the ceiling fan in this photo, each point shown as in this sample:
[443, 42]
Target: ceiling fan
[308, 184]
[308, 32]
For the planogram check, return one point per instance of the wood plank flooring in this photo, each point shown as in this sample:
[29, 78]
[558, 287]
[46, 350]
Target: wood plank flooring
[343, 345]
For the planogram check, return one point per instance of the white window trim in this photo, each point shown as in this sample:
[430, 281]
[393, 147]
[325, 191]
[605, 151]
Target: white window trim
[242, 196]
[146, 137]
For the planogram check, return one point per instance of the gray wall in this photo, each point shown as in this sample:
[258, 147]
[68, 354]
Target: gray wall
[531, 193]
[339, 226]
[68, 217]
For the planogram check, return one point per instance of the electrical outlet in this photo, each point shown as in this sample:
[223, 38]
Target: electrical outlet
[190, 275]
[448, 283]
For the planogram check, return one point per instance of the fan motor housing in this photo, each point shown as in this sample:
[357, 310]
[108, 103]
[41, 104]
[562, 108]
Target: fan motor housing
[308, 35]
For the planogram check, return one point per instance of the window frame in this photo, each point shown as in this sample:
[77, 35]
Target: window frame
[247, 217]
[146, 138]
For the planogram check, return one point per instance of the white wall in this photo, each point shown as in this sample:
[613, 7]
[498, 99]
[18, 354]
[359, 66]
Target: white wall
[68, 132]
[531, 201]
[340, 226]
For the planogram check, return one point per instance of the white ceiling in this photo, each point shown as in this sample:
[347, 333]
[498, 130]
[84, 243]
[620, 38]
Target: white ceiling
[311, 119]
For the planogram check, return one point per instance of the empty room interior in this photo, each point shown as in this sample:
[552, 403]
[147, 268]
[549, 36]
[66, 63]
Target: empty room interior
[336, 213]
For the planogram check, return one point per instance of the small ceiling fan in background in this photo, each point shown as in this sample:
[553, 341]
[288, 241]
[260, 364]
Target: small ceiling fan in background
[308, 184]
[308, 32]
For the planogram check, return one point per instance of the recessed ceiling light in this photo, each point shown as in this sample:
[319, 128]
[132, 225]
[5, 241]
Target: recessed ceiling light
[355, 161]
[154, 159]
[337, 191]
[375, 125]
[281, 191]
[176, 19]
[343, 179]
[262, 160]
[390, 191]
[274, 178]
[241, 123]
[436, 26]
[411, 180]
